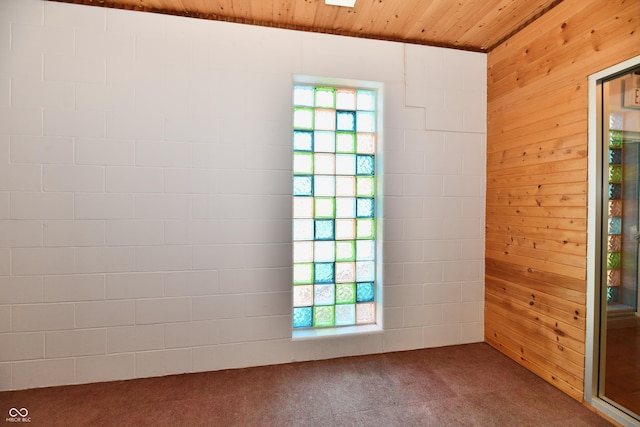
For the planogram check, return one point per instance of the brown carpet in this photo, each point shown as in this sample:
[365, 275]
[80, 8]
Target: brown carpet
[466, 385]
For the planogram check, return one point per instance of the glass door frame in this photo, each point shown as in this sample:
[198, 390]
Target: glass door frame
[595, 310]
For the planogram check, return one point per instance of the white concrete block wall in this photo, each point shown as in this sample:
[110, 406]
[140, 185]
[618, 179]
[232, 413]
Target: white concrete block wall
[145, 184]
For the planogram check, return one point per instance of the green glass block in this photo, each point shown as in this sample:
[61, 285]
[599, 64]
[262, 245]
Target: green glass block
[324, 251]
[345, 186]
[345, 314]
[365, 186]
[303, 185]
[346, 99]
[303, 274]
[346, 121]
[365, 271]
[302, 317]
[366, 143]
[302, 252]
[303, 140]
[615, 173]
[345, 164]
[365, 250]
[324, 186]
[366, 100]
[365, 121]
[324, 119]
[325, 207]
[615, 139]
[324, 141]
[345, 293]
[303, 118]
[365, 228]
[345, 272]
[346, 250]
[345, 229]
[302, 229]
[325, 97]
[302, 295]
[323, 315]
[324, 163]
[303, 207]
[345, 142]
[613, 260]
[303, 163]
[303, 96]
[365, 313]
[324, 295]
[345, 207]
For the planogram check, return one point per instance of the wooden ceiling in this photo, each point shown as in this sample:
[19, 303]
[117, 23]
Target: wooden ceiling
[477, 25]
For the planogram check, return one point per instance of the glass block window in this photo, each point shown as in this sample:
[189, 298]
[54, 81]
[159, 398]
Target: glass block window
[614, 216]
[334, 206]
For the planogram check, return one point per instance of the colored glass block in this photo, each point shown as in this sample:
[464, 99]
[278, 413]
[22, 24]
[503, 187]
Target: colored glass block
[345, 164]
[345, 207]
[345, 293]
[366, 100]
[323, 315]
[302, 252]
[613, 260]
[324, 163]
[303, 317]
[365, 165]
[325, 119]
[325, 97]
[346, 121]
[364, 208]
[303, 207]
[365, 271]
[324, 186]
[345, 142]
[615, 173]
[365, 313]
[324, 229]
[364, 292]
[325, 207]
[613, 278]
[615, 191]
[303, 118]
[303, 274]
[365, 121]
[614, 243]
[303, 185]
[324, 251]
[303, 163]
[613, 294]
[303, 96]
[346, 250]
[345, 186]
[302, 140]
[365, 250]
[365, 228]
[324, 272]
[615, 208]
[615, 156]
[324, 141]
[615, 139]
[346, 99]
[302, 295]
[324, 294]
[345, 229]
[345, 314]
[365, 143]
[364, 186]
[345, 272]
[615, 225]
[302, 229]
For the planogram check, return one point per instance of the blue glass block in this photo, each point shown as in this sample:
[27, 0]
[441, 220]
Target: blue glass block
[302, 317]
[364, 208]
[346, 121]
[303, 185]
[365, 271]
[324, 229]
[613, 294]
[324, 272]
[366, 100]
[365, 165]
[365, 121]
[302, 140]
[615, 191]
[615, 156]
[615, 226]
[324, 294]
[303, 95]
[345, 314]
[364, 292]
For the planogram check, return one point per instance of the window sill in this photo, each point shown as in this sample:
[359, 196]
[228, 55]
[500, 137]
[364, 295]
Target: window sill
[304, 334]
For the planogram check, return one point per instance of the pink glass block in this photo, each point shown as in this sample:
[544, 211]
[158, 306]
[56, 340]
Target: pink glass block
[345, 272]
[345, 164]
[303, 251]
[346, 186]
[324, 141]
[303, 229]
[324, 163]
[614, 243]
[324, 185]
[613, 278]
[365, 313]
[325, 119]
[346, 99]
[345, 207]
[345, 229]
[366, 143]
[615, 207]
[303, 295]
[324, 251]
[303, 207]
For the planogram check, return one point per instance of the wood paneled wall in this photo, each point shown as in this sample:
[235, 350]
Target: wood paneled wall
[535, 293]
